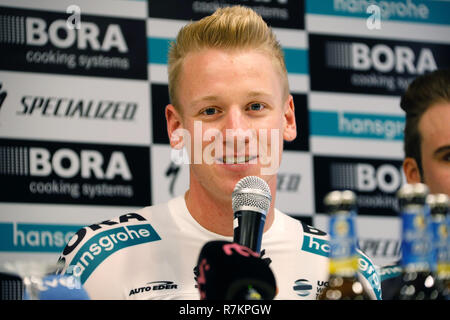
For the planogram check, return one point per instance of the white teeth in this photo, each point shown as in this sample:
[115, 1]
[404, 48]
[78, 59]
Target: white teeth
[236, 160]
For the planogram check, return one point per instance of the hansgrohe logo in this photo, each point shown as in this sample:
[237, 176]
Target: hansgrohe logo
[315, 245]
[388, 9]
[371, 126]
[357, 125]
[104, 244]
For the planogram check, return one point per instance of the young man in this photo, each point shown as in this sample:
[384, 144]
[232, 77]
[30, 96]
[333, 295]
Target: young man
[227, 82]
[426, 103]
[427, 131]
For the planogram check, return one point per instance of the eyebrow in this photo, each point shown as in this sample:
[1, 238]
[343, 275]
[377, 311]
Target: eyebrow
[257, 94]
[205, 98]
[262, 95]
[212, 98]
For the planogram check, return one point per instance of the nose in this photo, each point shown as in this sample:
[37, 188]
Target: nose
[235, 129]
[235, 119]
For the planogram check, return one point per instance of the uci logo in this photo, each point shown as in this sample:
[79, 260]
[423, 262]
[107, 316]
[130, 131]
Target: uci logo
[302, 287]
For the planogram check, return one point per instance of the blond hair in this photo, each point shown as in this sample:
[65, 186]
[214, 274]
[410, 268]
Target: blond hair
[234, 27]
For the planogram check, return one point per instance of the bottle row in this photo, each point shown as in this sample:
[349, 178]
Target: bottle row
[424, 263]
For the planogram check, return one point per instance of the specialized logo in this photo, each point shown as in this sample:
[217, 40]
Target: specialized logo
[78, 109]
[3, 95]
[173, 171]
[41, 41]
[288, 182]
[302, 287]
[63, 107]
[381, 248]
[154, 286]
[72, 172]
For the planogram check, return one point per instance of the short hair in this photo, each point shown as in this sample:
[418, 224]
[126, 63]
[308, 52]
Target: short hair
[234, 27]
[423, 92]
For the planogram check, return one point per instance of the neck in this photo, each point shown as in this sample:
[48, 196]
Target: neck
[216, 214]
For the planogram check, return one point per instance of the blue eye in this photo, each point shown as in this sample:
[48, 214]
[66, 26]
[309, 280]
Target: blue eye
[256, 106]
[209, 111]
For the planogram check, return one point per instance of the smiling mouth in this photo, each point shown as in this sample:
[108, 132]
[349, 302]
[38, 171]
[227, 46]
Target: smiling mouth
[236, 160]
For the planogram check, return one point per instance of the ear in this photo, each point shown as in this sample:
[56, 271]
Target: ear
[411, 170]
[173, 120]
[290, 126]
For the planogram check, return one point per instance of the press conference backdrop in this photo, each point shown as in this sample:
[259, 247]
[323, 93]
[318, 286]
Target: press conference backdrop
[83, 90]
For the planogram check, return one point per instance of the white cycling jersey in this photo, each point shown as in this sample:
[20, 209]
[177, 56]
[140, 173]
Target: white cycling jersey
[151, 254]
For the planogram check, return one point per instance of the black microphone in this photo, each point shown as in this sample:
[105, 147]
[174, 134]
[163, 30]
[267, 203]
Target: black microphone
[229, 271]
[250, 200]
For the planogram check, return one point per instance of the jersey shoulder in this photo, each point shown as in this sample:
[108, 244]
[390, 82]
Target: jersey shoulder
[316, 241]
[94, 244]
[310, 239]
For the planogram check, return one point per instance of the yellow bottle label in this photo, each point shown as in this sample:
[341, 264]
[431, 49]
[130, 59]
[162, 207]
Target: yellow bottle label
[344, 266]
[443, 270]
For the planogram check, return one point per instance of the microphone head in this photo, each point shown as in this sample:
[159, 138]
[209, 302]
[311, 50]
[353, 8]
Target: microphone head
[251, 193]
[229, 271]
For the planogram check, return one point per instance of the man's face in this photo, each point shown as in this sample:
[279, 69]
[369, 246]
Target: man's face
[221, 92]
[434, 127]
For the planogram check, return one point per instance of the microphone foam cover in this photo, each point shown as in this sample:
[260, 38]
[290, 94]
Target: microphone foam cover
[227, 270]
